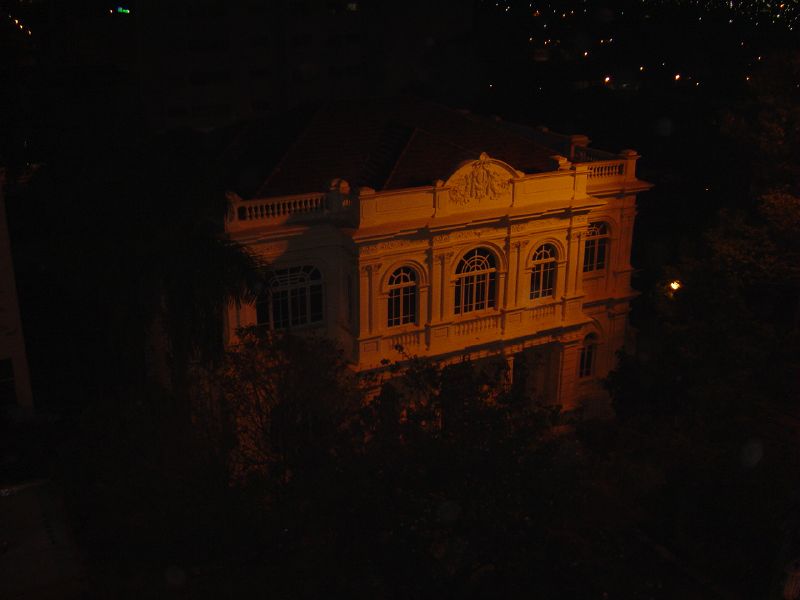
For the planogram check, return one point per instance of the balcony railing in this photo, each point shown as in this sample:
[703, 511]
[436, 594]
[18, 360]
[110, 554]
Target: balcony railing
[477, 325]
[410, 339]
[543, 312]
[276, 210]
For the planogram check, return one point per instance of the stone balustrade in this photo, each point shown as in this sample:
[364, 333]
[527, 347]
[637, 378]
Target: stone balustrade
[408, 340]
[265, 211]
[478, 325]
[606, 170]
[548, 311]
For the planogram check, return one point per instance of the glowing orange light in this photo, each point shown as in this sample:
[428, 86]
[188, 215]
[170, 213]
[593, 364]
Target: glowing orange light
[641, 68]
[675, 285]
[677, 76]
[607, 79]
[586, 54]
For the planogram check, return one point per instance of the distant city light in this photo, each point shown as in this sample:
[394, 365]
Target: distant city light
[123, 10]
[675, 285]
[677, 76]
[607, 79]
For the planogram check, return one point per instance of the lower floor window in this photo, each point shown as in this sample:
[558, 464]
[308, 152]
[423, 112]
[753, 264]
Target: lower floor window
[293, 297]
[588, 356]
[402, 297]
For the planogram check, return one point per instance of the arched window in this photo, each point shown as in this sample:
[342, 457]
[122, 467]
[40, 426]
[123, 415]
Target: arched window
[543, 275]
[402, 297]
[476, 281]
[293, 297]
[588, 356]
[596, 248]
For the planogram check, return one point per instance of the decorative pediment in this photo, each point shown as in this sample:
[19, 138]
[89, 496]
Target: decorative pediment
[477, 181]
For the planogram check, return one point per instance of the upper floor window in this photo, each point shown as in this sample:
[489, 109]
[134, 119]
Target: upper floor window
[402, 297]
[293, 297]
[543, 274]
[596, 249]
[588, 356]
[476, 281]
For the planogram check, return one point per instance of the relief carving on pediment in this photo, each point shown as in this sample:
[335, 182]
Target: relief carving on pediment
[482, 179]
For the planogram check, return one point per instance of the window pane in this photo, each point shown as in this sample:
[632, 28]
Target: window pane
[536, 281]
[299, 306]
[394, 307]
[280, 309]
[492, 290]
[316, 304]
[458, 297]
[408, 304]
[469, 294]
[548, 279]
[588, 256]
[480, 292]
[601, 254]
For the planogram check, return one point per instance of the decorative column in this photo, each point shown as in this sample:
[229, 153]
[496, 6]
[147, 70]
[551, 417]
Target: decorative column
[441, 267]
[366, 296]
[573, 292]
[519, 268]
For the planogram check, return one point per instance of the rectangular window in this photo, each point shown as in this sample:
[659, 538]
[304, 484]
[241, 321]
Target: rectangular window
[586, 367]
[409, 308]
[469, 294]
[394, 308]
[588, 255]
[601, 254]
[280, 309]
[299, 306]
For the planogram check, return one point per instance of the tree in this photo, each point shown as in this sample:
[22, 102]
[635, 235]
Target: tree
[291, 399]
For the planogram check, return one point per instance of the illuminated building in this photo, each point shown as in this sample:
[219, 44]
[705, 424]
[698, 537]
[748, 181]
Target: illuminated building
[389, 225]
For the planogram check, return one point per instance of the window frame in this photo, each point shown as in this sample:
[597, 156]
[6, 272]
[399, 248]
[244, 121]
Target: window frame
[596, 247]
[402, 299]
[587, 360]
[544, 269]
[472, 280]
[301, 298]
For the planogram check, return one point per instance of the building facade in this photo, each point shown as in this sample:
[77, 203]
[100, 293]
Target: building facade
[488, 260]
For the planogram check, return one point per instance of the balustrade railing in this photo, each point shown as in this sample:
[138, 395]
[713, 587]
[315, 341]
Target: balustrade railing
[477, 325]
[278, 208]
[543, 312]
[606, 171]
[409, 339]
